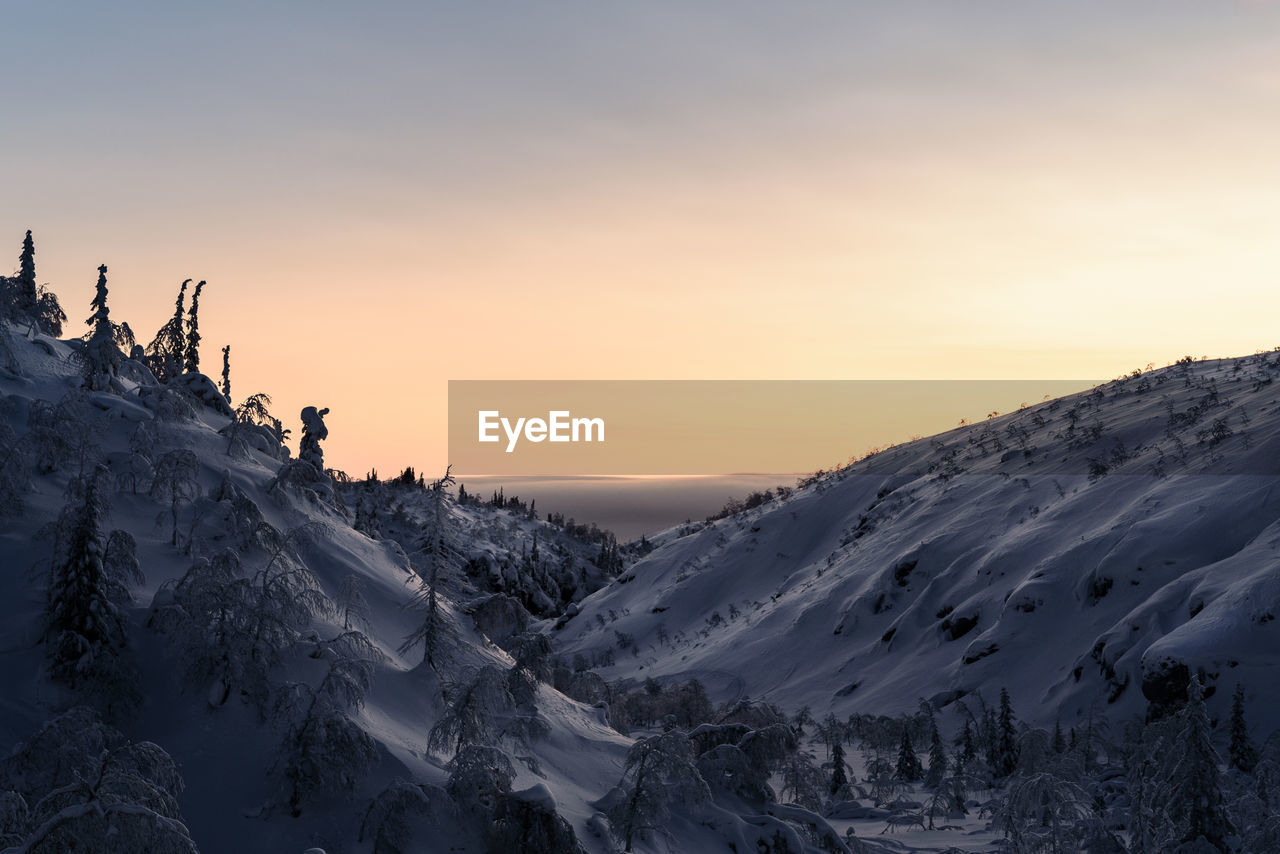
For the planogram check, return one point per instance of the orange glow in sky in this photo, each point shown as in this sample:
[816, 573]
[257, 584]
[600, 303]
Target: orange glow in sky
[386, 198]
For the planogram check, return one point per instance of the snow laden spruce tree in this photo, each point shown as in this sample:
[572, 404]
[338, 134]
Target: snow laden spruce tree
[102, 356]
[306, 475]
[25, 294]
[1241, 753]
[21, 299]
[1177, 794]
[313, 431]
[436, 549]
[191, 352]
[167, 351]
[85, 638]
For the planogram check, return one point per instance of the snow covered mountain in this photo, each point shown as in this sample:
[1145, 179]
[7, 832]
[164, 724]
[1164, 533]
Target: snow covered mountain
[209, 643]
[1087, 553]
[262, 633]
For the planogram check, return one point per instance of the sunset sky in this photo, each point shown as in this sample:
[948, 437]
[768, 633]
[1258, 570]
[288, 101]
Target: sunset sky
[386, 196]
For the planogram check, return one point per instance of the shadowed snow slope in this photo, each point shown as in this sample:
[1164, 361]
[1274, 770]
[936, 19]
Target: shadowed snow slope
[1081, 552]
[226, 742]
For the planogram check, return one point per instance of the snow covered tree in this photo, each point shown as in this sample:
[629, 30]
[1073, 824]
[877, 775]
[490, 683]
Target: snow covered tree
[908, 767]
[306, 475]
[175, 481]
[438, 552]
[1044, 814]
[1178, 799]
[1193, 797]
[101, 356]
[968, 747]
[323, 749]
[14, 478]
[1006, 740]
[22, 294]
[958, 783]
[831, 731]
[658, 771]
[49, 315]
[92, 791]
[725, 768]
[226, 373]
[166, 352]
[404, 812]
[1241, 755]
[84, 635]
[191, 354]
[231, 628]
[313, 431]
[59, 434]
[352, 606]
[802, 781]
[882, 780]
[839, 770]
[253, 416]
[479, 776]
[937, 757]
[120, 563]
[14, 819]
[476, 712]
[21, 297]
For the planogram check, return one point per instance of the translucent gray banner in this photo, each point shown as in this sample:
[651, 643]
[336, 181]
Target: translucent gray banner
[710, 427]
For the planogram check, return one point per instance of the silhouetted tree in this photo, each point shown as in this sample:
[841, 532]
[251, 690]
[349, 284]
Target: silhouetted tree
[1241, 754]
[25, 296]
[313, 430]
[839, 769]
[908, 767]
[84, 633]
[167, 350]
[937, 757]
[101, 355]
[226, 373]
[191, 356]
[1006, 738]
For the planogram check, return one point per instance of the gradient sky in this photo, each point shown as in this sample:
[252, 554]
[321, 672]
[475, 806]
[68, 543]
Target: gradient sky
[384, 196]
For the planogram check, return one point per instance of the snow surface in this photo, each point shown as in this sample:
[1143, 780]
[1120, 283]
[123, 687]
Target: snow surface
[1078, 552]
[1064, 562]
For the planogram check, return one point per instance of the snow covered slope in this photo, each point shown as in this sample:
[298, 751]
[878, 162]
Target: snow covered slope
[1082, 552]
[232, 727]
